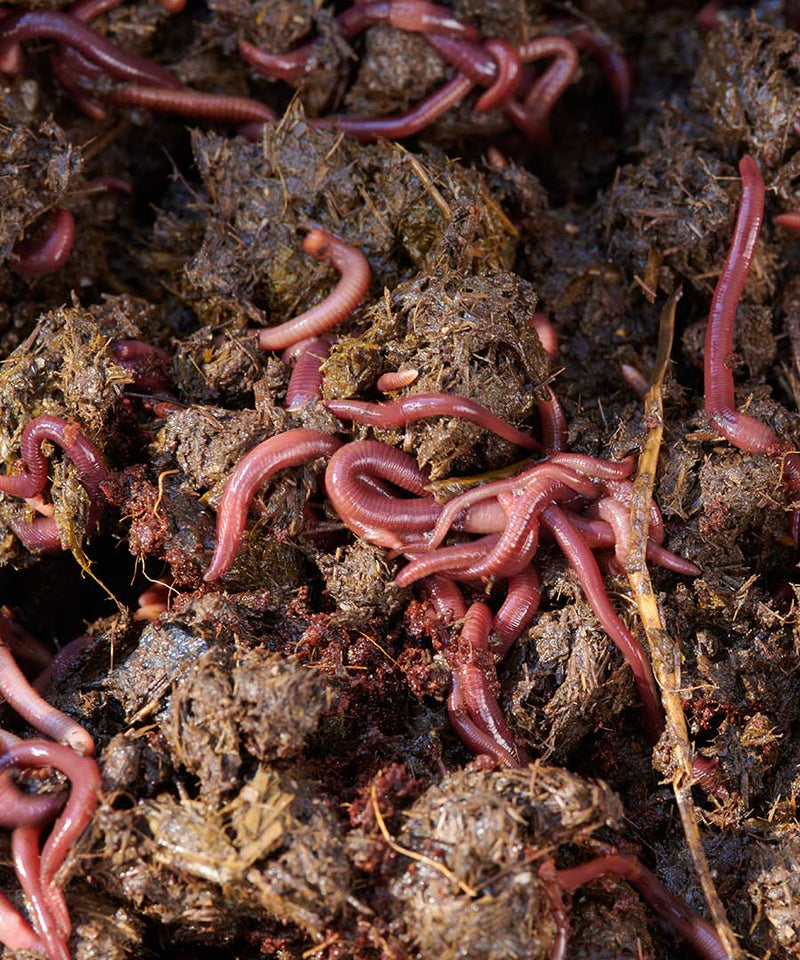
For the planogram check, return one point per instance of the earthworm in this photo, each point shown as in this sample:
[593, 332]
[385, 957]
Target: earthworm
[22, 697]
[353, 499]
[452, 560]
[554, 424]
[422, 115]
[148, 364]
[533, 115]
[789, 220]
[27, 865]
[37, 258]
[480, 742]
[83, 453]
[546, 333]
[20, 809]
[84, 780]
[611, 59]
[305, 383]
[635, 380]
[337, 306]
[57, 670]
[192, 103]
[66, 29]
[684, 922]
[447, 599]
[411, 15]
[743, 431]
[509, 71]
[583, 562]
[421, 406]
[397, 379]
[517, 610]
[39, 535]
[15, 932]
[473, 680]
[288, 449]
[594, 466]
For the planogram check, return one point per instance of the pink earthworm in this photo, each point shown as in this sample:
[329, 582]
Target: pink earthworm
[446, 598]
[472, 673]
[451, 560]
[622, 492]
[554, 424]
[67, 30]
[37, 258]
[469, 500]
[606, 52]
[546, 333]
[635, 380]
[59, 667]
[19, 809]
[337, 306]
[598, 533]
[22, 697]
[289, 449]
[305, 383]
[15, 932]
[83, 453]
[84, 780]
[532, 117]
[26, 858]
[551, 482]
[415, 16]
[40, 535]
[421, 406]
[473, 736]
[397, 379]
[517, 610]
[685, 924]
[148, 364]
[789, 220]
[354, 500]
[594, 466]
[509, 73]
[422, 115]
[192, 103]
[583, 562]
[742, 431]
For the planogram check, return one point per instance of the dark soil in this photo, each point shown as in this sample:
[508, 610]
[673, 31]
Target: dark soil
[247, 733]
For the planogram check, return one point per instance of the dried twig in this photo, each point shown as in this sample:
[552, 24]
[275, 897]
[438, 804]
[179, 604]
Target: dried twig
[664, 651]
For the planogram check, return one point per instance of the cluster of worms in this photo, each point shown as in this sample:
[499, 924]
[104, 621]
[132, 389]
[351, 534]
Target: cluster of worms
[489, 534]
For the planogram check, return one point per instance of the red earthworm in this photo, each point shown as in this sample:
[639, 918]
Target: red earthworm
[22, 697]
[622, 492]
[533, 115]
[397, 379]
[635, 380]
[606, 52]
[289, 449]
[23, 645]
[509, 71]
[26, 859]
[191, 103]
[447, 599]
[452, 559]
[471, 59]
[789, 220]
[39, 535]
[597, 533]
[517, 610]
[84, 780]
[473, 680]
[554, 424]
[305, 383]
[411, 15]
[594, 466]
[685, 923]
[422, 115]
[549, 483]
[467, 500]
[421, 406]
[353, 499]
[708, 15]
[583, 562]
[40, 257]
[337, 306]
[148, 364]
[58, 669]
[52, 25]
[15, 932]
[487, 516]
[546, 333]
[480, 742]
[84, 454]
[743, 431]
[19, 809]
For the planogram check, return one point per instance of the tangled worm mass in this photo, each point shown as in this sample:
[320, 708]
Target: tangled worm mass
[477, 559]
